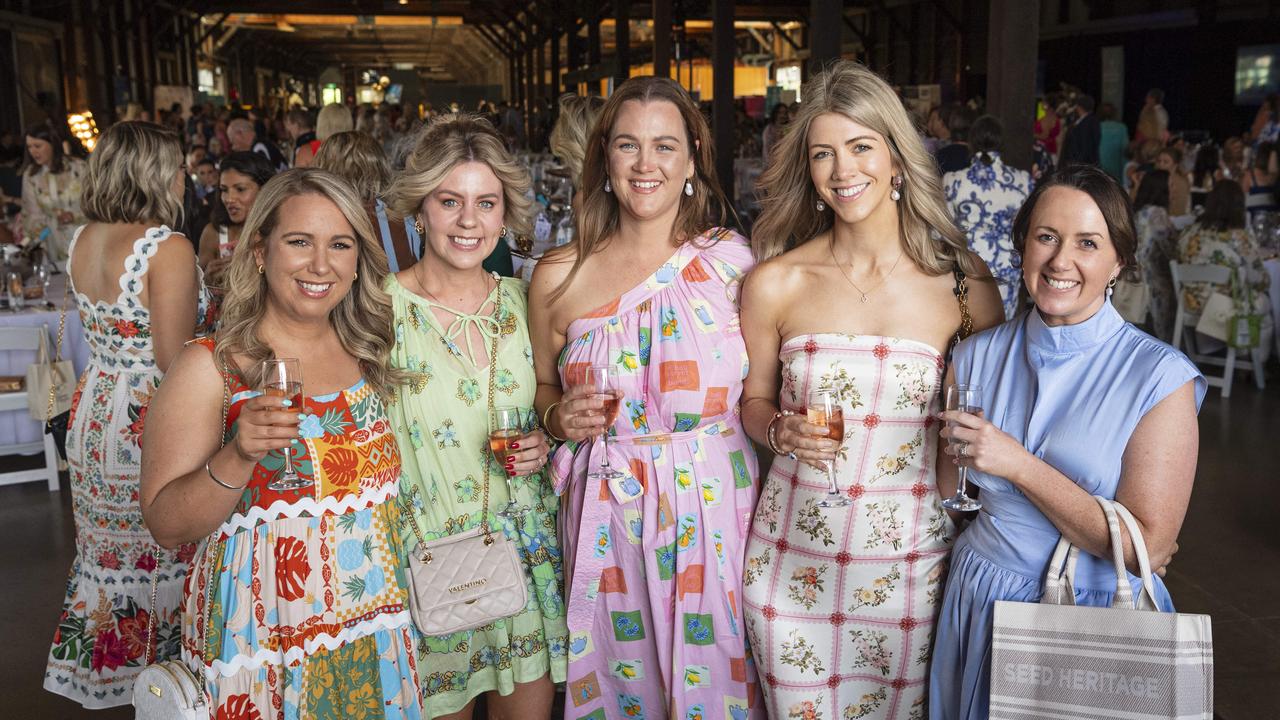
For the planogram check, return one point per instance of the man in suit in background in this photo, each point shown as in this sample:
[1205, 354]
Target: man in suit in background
[1084, 137]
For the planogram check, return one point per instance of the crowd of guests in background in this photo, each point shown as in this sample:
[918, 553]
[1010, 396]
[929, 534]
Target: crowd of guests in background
[665, 572]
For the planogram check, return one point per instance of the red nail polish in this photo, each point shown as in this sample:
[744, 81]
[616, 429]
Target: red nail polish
[511, 467]
[515, 446]
[511, 458]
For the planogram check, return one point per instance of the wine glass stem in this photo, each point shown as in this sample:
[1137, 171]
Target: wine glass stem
[831, 477]
[604, 461]
[288, 460]
[962, 489]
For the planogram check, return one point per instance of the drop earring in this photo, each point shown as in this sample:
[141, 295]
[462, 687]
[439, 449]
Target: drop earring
[688, 188]
[418, 228]
[820, 205]
[895, 194]
[1111, 286]
[607, 187]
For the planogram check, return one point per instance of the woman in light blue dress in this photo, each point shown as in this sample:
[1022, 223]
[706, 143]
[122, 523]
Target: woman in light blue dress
[1077, 402]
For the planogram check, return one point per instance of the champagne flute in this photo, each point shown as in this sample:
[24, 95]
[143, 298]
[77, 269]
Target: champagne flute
[604, 378]
[824, 410]
[282, 378]
[506, 426]
[43, 277]
[967, 399]
[14, 288]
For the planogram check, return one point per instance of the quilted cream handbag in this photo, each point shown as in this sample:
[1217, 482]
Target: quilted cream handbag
[470, 579]
[169, 690]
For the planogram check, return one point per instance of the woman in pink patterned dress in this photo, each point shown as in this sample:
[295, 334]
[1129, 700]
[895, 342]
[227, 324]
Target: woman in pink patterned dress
[653, 558]
[864, 282]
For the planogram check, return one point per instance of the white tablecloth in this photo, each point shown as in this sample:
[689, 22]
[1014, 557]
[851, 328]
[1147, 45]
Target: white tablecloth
[16, 426]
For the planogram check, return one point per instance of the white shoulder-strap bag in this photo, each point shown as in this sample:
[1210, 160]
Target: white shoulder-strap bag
[1053, 659]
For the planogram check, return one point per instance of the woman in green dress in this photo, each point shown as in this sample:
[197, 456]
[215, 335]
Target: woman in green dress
[466, 193]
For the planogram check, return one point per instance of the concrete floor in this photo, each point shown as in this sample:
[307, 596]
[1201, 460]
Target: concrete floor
[1226, 567]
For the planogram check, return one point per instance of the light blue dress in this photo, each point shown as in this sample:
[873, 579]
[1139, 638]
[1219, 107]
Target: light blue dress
[1073, 396]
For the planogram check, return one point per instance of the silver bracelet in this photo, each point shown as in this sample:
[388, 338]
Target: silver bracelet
[215, 478]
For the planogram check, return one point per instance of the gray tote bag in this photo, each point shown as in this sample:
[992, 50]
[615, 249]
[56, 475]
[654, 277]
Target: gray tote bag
[1130, 661]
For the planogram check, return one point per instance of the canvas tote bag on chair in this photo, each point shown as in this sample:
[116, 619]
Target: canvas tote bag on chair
[1055, 660]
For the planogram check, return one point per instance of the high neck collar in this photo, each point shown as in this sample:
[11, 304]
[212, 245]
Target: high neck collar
[1070, 339]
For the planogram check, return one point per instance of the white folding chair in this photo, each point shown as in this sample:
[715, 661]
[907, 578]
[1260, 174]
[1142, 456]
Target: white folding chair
[28, 339]
[1184, 326]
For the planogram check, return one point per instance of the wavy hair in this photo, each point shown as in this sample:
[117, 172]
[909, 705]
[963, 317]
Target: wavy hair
[130, 174]
[598, 220]
[362, 319]
[357, 158]
[448, 142]
[568, 139]
[930, 237]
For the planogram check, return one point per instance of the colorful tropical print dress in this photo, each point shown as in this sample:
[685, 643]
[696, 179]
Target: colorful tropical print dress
[655, 559]
[307, 614]
[441, 419]
[841, 601]
[98, 647]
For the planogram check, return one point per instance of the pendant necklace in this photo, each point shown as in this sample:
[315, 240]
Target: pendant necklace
[883, 280]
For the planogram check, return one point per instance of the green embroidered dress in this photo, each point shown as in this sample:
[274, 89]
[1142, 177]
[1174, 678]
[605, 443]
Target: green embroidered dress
[441, 421]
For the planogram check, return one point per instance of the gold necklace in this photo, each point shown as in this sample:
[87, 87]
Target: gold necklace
[846, 275]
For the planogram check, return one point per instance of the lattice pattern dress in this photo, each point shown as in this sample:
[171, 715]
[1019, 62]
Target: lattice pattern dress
[98, 647]
[307, 610]
[841, 601]
[655, 580]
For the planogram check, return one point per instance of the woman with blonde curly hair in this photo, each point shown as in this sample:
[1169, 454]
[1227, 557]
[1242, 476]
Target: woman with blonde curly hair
[863, 286]
[462, 337]
[645, 298]
[140, 296]
[295, 604]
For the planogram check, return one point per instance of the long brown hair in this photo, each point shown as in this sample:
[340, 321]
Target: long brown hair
[598, 220]
[787, 218]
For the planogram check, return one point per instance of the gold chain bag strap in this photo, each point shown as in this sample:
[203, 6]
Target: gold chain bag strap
[168, 689]
[473, 578]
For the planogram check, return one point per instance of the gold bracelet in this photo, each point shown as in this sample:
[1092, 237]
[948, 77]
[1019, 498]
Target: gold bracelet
[546, 422]
[219, 482]
[770, 432]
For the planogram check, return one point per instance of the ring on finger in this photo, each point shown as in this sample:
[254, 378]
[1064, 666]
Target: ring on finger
[963, 449]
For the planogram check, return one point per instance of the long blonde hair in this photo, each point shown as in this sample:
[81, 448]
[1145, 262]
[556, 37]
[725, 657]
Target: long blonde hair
[130, 174]
[450, 141]
[598, 221]
[568, 139]
[362, 319]
[788, 217]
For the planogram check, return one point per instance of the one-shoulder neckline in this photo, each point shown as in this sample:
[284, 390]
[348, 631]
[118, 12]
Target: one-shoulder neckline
[857, 336]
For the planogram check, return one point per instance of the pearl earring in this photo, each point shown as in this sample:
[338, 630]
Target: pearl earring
[895, 194]
[607, 187]
[1111, 286]
[688, 188]
[820, 205]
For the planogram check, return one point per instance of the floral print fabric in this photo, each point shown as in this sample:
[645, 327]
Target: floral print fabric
[841, 602]
[307, 612]
[655, 559]
[441, 419]
[985, 199]
[1231, 249]
[99, 646]
[1157, 245]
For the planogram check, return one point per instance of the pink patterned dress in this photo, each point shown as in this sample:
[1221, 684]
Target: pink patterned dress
[654, 560]
[840, 602]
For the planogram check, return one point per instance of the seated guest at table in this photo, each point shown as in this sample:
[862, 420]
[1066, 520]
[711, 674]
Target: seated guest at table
[358, 158]
[1170, 161]
[1219, 237]
[51, 184]
[1205, 173]
[984, 198]
[1157, 245]
[132, 193]
[1076, 403]
[274, 635]
[1259, 182]
[241, 176]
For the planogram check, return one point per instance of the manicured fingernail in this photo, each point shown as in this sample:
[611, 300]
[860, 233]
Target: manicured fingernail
[511, 458]
[511, 473]
[286, 403]
[302, 416]
[294, 441]
[515, 446]
[511, 467]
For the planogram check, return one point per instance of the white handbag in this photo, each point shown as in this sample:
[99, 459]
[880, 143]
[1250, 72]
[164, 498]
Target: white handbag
[51, 383]
[470, 579]
[1056, 660]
